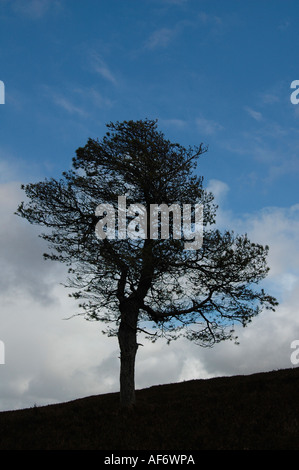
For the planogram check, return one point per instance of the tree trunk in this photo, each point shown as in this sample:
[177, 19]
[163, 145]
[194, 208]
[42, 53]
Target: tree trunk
[127, 339]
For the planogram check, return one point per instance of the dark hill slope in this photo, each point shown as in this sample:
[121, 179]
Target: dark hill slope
[259, 411]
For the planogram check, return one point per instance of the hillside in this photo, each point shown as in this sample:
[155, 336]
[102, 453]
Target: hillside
[259, 411]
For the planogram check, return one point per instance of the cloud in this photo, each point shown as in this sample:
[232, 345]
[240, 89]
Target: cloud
[24, 272]
[34, 9]
[164, 36]
[265, 343]
[161, 38]
[219, 190]
[289, 166]
[49, 359]
[176, 2]
[214, 26]
[69, 106]
[176, 123]
[270, 98]
[254, 114]
[284, 25]
[94, 97]
[274, 93]
[101, 68]
[208, 126]
[208, 18]
[6, 171]
[278, 227]
[78, 101]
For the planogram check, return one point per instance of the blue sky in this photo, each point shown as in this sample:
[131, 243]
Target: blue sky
[217, 72]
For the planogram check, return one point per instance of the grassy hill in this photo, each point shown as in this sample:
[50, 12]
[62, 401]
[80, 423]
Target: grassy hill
[254, 412]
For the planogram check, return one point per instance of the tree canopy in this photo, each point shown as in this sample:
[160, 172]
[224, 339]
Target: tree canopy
[143, 283]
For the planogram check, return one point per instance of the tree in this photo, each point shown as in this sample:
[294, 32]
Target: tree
[143, 283]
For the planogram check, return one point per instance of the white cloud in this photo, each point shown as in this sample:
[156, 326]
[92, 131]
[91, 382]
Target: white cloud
[6, 171]
[270, 98]
[219, 189]
[278, 227]
[23, 273]
[254, 114]
[78, 101]
[161, 38]
[208, 126]
[265, 343]
[265, 145]
[176, 123]
[66, 104]
[49, 359]
[214, 25]
[100, 67]
[94, 97]
[34, 9]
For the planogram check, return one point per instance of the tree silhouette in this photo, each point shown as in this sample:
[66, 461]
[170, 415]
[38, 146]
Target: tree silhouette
[143, 283]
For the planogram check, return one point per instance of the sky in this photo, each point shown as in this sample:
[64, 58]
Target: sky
[213, 72]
